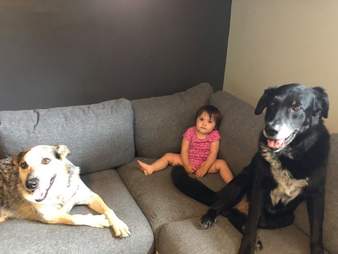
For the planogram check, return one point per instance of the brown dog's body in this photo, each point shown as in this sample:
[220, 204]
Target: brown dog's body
[43, 185]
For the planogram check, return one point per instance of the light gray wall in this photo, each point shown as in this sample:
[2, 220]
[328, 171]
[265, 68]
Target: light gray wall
[58, 53]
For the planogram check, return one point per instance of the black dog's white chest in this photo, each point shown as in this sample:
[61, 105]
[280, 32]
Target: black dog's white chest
[288, 188]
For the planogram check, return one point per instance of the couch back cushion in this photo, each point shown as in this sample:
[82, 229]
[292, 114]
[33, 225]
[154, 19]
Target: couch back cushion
[99, 136]
[239, 129]
[161, 121]
[331, 202]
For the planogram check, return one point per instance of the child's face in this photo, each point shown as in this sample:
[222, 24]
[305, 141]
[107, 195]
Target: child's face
[205, 124]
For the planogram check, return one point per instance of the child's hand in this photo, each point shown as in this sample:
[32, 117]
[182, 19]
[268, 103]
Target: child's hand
[189, 169]
[201, 172]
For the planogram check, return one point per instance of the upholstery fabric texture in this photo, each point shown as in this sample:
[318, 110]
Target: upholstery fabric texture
[186, 237]
[161, 121]
[99, 136]
[158, 198]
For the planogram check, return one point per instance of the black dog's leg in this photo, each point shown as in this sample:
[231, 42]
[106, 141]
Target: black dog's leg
[315, 207]
[192, 187]
[228, 197]
[248, 243]
[289, 208]
[280, 216]
[237, 219]
[268, 221]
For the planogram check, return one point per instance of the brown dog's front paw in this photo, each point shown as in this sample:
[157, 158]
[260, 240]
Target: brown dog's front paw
[120, 229]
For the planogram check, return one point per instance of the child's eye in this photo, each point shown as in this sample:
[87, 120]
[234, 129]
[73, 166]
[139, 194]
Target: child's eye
[201, 119]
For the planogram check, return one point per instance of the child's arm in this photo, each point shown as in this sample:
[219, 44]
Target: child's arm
[214, 147]
[185, 155]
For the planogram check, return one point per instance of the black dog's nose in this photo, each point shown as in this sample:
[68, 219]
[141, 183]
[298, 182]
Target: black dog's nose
[32, 183]
[270, 130]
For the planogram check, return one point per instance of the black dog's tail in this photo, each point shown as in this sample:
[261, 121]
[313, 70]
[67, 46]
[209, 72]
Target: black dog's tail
[192, 187]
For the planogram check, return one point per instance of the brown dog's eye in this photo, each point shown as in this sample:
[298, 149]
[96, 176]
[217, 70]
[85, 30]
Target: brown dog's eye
[23, 165]
[45, 161]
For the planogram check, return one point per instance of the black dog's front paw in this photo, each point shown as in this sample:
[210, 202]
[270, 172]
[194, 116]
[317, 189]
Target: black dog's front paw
[247, 247]
[208, 219]
[317, 249]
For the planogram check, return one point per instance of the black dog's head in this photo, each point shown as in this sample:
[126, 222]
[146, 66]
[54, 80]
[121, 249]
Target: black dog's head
[290, 110]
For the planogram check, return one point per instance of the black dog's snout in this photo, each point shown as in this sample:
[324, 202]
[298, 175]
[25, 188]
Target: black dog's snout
[32, 183]
[271, 130]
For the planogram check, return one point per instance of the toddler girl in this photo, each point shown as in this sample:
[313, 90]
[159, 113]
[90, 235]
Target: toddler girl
[199, 148]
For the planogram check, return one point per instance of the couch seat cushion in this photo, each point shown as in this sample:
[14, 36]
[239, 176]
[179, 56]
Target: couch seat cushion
[183, 237]
[158, 198]
[18, 236]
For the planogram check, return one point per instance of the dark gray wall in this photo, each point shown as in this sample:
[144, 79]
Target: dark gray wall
[68, 52]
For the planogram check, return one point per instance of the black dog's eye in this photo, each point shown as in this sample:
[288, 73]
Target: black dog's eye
[274, 102]
[23, 165]
[295, 107]
[45, 161]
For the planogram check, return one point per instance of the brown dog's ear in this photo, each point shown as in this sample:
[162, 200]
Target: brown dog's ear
[61, 151]
[264, 100]
[17, 158]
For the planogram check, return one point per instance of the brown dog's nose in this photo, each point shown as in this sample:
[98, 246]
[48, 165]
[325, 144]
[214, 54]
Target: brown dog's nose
[32, 183]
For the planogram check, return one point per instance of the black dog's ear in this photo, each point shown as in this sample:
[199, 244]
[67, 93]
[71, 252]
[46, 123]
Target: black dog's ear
[321, 102]
[264, 100]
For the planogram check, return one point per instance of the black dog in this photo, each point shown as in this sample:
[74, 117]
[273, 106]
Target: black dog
[289, 167]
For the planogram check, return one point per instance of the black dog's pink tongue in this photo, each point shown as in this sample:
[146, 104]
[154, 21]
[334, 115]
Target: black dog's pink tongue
[275, 143]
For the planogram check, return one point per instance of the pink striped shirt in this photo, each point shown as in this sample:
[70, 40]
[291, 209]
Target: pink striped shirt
[199, 149]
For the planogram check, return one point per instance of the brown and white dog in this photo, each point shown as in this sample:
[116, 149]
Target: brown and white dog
[41, 184]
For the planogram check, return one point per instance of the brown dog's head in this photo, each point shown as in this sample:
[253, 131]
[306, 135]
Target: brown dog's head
[38, 169]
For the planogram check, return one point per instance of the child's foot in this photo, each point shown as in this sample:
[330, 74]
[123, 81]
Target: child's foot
[146, 168]
[243, 206]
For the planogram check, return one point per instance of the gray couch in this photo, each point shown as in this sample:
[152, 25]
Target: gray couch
[106, 138]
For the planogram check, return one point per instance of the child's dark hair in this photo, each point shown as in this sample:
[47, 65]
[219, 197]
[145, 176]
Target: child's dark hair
[213, 113]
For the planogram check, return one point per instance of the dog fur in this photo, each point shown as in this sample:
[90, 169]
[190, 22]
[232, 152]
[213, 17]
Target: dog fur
[288, 168]
[42, 185]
